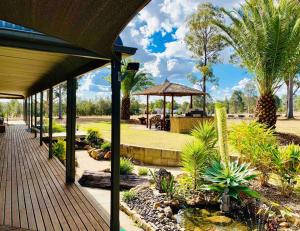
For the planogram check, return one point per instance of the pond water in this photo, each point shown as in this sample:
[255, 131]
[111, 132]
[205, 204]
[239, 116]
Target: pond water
[195, 219]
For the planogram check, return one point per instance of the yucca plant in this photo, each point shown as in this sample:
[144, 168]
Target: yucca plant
[265, 35]
[206, 132]
[234, 177]
[287, 162]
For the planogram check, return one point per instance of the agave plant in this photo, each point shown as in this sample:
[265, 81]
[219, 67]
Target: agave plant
[206, 132]
[265, 35]
[234, 177]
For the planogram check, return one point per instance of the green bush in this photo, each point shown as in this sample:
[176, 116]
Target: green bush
[206, 132]
[233, 177]
[168, 187]
[143, 171]
[94, 138]
[56, 127]
[128, 196]
[106, 146]
[126, 166]
[287, 166]
[59, 149]
[256, 144]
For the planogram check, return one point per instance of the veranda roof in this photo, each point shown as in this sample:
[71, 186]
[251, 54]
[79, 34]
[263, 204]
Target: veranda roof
[75, 37]
[170, 89]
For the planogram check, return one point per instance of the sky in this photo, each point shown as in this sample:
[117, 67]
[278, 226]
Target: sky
[158, 32]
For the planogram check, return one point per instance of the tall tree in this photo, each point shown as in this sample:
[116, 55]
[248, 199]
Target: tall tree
[250, 95]
[236, 102]
[133, 82]
[204, 41]
[265, 35]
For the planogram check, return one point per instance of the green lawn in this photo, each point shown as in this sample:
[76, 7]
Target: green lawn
[138, 135]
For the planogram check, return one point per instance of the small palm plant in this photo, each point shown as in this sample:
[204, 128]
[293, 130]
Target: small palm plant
[206, 132]
[233, 177]
[287, 162]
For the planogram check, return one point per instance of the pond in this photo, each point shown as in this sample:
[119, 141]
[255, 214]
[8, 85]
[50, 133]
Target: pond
[195, 219]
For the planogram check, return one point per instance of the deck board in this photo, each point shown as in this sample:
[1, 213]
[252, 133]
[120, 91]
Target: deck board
[33, 193]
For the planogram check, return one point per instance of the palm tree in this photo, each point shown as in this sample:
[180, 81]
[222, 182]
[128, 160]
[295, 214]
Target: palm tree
[265, 35]
[133, 82]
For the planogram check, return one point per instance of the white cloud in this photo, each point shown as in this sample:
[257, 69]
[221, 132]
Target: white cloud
[242, 83]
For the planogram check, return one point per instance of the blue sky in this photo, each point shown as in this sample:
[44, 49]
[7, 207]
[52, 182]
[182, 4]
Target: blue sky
[158, 32]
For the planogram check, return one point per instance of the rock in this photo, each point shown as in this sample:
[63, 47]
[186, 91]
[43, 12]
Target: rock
[160, 175]
[156, 205]
[106, 170]
[205, 212]
[102, 180]
[198, 229]
[220, 220]
[284, 224]
[168, 212]
[107, 155]
[161, 215]
[90, 150]
[95, 154]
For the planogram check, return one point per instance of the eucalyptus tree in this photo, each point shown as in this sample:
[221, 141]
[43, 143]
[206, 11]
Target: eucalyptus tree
[265, 34]
[205, 43]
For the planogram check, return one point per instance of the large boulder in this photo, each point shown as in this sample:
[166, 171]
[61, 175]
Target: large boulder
[103, 180]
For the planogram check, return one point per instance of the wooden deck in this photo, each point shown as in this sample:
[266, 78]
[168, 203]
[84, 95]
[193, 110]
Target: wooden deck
[33, 194]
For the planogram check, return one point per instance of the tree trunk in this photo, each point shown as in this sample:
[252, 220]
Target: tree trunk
[60, 103]
[265, 111]
[204, 96]
[125, 108]
[290, 99]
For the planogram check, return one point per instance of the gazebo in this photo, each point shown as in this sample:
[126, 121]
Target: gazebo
[169, 89]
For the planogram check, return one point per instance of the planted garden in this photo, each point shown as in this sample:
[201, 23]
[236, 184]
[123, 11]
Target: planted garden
[237, 179]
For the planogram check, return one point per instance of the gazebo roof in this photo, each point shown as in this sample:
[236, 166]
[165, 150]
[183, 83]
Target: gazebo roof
[170, 89]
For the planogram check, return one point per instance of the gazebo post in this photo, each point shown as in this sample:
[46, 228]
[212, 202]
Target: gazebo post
[172, 106]
[164, 115]
[31, 111]
[147, 112]
[191, 103]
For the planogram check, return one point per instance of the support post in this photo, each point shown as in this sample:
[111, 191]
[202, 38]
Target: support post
[172, 106]
[41, 117]
[164, 115]
[25, 111]
[31, 112]
[35, 115]
[71, 128]
[115, 139]
[50, 122]
[147, 111]
[191, 103]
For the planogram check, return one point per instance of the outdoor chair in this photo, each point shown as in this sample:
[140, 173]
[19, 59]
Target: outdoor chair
[156, 121]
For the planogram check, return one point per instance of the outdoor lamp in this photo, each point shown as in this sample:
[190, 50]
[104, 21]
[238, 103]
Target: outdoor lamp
[133, 66]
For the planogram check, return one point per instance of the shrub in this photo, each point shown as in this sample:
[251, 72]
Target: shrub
[59, 149]
[195, 158]
[128, 196]
[287, 165]
[106, 146]
[256, 144]
[233, 177]
[126, 166]
[94, 138]
[143, 171]
[206, 132]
